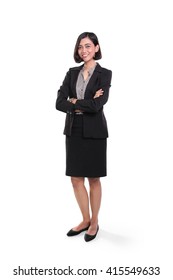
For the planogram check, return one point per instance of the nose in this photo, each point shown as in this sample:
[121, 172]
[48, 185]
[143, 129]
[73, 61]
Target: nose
[84, 50]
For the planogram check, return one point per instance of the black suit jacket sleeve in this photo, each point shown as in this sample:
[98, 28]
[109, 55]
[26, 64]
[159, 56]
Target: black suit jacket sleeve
[93, 105]
[62, 104]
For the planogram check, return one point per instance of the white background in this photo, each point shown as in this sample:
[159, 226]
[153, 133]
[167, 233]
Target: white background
[37, 202]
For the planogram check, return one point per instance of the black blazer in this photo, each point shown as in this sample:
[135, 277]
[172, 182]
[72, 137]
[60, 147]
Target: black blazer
[94, 122]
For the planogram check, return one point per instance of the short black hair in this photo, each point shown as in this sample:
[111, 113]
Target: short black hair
[95, 41]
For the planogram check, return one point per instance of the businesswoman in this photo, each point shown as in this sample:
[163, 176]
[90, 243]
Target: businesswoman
[82, 96]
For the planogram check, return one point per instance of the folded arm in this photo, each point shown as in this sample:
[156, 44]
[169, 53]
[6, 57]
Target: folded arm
[94, 104]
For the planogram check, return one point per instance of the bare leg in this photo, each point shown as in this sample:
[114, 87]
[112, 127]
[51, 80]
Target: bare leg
[95, 201]
[83, 201]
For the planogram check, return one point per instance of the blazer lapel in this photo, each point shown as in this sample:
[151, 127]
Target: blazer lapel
[75, 73]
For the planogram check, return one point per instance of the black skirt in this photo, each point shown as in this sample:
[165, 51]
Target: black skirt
[85, 157]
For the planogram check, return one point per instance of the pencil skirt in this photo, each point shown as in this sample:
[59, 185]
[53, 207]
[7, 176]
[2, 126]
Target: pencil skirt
[85, 157]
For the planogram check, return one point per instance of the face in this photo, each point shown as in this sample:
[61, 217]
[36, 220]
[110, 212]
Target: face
[87, 49]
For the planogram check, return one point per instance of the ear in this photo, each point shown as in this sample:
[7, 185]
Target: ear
[96, 48]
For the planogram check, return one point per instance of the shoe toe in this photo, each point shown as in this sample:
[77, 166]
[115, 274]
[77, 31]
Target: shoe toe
[88, 237]
[72, 232]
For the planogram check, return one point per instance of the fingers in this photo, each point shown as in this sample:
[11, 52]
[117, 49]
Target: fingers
[72, 100]
[98, 93]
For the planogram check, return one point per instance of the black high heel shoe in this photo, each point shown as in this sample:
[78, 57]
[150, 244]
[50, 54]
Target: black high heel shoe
[76, 232]
[89, 237]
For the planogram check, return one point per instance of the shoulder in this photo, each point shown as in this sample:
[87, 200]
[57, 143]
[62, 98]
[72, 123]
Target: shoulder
[72, 71]
[105, 74]
[99, 68]
[77, 68]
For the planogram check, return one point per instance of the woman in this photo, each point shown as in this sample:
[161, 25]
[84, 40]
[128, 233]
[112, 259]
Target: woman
[82, 95]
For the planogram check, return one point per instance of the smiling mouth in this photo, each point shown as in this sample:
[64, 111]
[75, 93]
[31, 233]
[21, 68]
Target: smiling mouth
[85, 57]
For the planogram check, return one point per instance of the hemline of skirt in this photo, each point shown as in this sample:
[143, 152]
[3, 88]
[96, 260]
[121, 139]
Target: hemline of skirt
[85, 176]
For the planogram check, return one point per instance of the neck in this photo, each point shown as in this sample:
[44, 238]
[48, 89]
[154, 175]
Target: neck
[90, 64]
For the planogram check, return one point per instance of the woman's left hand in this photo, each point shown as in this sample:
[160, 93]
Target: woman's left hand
[98, 93]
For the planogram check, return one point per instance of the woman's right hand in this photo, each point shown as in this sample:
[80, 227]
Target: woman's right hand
[98, 93]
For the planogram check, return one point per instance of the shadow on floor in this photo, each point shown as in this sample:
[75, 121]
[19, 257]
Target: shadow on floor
[115, 238]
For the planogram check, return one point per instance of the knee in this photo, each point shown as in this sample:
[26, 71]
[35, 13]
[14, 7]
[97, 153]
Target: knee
[77, 181]
[94, 182]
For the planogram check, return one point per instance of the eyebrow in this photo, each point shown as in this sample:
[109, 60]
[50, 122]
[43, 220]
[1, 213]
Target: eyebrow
[85, 44]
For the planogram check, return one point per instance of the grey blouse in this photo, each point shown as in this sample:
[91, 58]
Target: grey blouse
[82, 84]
